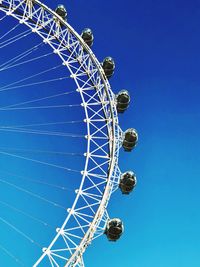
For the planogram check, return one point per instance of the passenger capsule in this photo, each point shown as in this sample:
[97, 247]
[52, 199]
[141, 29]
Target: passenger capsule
[87, 36]
[108, 67]
[123, 100]
[61, 11]
[127, 182]
[130, 140]
[114, 229]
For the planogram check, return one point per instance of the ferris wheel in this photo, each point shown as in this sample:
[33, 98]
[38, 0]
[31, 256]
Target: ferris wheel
[60, 139]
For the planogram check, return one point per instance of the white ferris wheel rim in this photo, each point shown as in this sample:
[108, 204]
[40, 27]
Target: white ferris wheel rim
[47, 19]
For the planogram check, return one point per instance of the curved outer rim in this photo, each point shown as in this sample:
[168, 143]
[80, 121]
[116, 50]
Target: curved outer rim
[76, 258]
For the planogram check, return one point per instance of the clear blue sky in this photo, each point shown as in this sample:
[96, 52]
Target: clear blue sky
[156, 48]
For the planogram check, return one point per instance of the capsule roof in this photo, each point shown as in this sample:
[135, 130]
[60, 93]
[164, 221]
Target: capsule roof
[117, 220]
[109, 60]
[130, 173]
[87, 30]
[131, 130]
[126, 92]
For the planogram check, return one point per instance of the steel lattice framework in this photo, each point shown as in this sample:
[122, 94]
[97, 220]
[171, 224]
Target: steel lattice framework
[88, 215]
